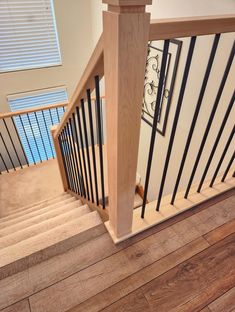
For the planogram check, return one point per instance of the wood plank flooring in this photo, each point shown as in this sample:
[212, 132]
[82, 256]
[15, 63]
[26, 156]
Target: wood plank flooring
[185, 264]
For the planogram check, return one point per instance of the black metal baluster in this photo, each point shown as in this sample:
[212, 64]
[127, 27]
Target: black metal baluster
[12, 143]
[7, 152]
[51, 117]
[102, 124]
[228, 168]
[63, 109]
[4, 163]
[222, 156]
[196, 113]
[97, 91]
[216, 142]
[64, 144]
[67, 128]
[64, 161]
[35, 141]
[67, 144]
[176, 118]
[75, 157]
[211, 118]
[93, 145]
[27, 140]
[87, 149]
[41, 136]
[79, 156]
[155, 121]
[57, 113]
[22, 148]
[83, 153]
[48, 135]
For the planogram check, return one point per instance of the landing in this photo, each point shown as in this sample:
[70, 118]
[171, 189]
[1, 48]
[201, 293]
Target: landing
[29, 186]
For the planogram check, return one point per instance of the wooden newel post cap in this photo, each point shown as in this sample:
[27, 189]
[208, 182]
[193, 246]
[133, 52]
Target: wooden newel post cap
[127, 2]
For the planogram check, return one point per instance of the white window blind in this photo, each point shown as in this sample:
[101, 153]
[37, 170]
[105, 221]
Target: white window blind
[28, 35]
[34, 129]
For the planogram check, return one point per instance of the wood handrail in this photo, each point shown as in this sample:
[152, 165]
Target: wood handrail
[94, 67]
[171, 28]
[32, 110]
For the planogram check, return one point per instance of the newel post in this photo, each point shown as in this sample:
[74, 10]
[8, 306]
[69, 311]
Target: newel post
[126, 33]
[59, 158]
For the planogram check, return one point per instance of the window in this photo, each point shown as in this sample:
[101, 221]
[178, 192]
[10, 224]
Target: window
[28, 35]
[34, 128]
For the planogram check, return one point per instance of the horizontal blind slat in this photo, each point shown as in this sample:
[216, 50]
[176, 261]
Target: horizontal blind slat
[28, 36]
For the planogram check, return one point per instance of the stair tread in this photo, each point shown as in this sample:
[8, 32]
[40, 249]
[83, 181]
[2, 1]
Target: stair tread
[43, 226]
[38, 248]
[39, 218]
[37, 212]
[35, 206]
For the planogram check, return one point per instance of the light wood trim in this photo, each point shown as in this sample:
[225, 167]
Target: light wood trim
[94, 67]
[32, 110]
[59, 158]
[167, 211]
[121, 3]
[124, 62]
[170, 28]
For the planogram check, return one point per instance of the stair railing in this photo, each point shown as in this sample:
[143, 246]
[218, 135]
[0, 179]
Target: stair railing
[25, 137]
[120, 57]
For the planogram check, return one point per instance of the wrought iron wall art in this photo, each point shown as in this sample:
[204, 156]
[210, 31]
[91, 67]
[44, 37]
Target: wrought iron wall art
[152, 73]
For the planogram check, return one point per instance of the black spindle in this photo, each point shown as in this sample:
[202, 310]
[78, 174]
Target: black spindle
[222, 156]
[12, 143]
[31, 152]
[35, 141]
[216, 142]
[67, 160]
[63, 159]
[93, 144]
[196, 113]
[211, 118]
[82, 149]
[48, 135]
[7, 152]
[76, 157]
[71, 154]
[79, 155]
[176, 118]
[19, 139]
[41, 136]
[87, 149]
[97, 90]
[4, 163]
[228, 168]
[155, 122]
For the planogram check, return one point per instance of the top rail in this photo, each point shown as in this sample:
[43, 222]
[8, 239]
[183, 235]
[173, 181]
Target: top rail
[94, 67]
[171, 28]
[32, 110]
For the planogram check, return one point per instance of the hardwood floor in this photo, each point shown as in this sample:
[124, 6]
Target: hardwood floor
[185, 264]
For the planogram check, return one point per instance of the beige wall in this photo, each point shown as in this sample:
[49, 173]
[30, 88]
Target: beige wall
[73, 19]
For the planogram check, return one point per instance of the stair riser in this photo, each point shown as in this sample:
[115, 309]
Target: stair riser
[62, 246]
[35, 220]
[25, 216]
[43, 226]
[32, 207]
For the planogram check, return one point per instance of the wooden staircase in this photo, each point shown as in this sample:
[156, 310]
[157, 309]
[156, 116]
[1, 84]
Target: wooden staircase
[38, 232]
